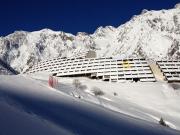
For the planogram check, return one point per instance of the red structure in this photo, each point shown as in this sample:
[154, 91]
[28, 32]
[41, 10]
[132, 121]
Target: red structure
[52, 82]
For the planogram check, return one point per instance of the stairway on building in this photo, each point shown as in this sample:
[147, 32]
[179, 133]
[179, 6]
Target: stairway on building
[157, 72]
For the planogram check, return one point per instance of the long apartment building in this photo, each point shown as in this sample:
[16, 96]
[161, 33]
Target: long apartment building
[107, 69]
[170, 69]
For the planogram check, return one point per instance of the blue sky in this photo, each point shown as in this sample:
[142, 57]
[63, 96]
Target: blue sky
[72, 15]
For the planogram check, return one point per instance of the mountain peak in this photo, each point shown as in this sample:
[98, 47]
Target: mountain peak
[177, 6]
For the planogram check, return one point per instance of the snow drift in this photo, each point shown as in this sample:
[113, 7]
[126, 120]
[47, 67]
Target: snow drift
[28, 107]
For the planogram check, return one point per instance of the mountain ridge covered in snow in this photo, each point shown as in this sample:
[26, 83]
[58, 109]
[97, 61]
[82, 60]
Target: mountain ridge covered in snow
[153, 34]
[6, 69]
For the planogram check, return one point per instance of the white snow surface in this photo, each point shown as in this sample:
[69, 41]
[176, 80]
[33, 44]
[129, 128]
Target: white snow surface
[144, 100]
[31, 107]
[152, 34]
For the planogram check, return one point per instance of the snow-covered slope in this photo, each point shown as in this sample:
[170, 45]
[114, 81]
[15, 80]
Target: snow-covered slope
[6, 69]
[42, 110]
[147, 100]
[152, 34]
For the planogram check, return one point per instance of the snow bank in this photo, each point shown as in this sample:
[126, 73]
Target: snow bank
[158, 99]
[30, 108]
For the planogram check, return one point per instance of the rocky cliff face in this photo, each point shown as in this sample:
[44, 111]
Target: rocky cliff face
[152, 34]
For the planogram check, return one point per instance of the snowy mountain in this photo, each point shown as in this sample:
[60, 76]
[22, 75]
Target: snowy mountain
[152, 34]
[6, 69]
